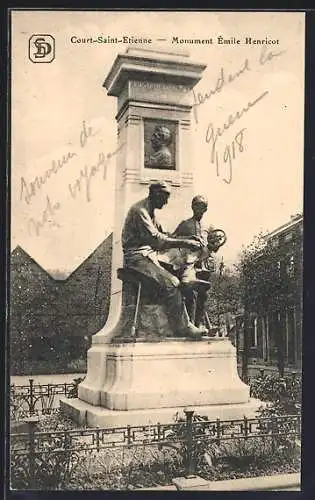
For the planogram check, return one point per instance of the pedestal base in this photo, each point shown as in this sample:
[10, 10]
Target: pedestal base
[172, 373]
[145, 382]
[95, 416]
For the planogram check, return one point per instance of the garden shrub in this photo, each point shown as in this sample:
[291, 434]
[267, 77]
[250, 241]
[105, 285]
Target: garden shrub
[284, 394]
[41, 356]
[128, 468]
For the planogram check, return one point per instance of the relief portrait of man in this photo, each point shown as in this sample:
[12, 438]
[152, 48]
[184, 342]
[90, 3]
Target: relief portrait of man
[160, 141]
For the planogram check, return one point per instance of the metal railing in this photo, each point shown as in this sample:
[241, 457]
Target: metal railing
[32, 447]
[36, 399]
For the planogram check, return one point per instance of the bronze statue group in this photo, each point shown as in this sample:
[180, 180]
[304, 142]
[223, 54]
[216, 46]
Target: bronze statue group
[177, 264]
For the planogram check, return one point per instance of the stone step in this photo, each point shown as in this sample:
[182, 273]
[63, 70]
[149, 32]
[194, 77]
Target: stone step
[273, 482]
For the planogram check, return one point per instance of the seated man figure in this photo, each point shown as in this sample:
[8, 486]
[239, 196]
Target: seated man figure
[142, 238]
[185, 261]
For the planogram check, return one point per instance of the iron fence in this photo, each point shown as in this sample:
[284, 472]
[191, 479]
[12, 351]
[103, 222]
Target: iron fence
[36, 399]
[187, 436]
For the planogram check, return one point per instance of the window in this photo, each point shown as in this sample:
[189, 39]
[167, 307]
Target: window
[290, 267]
[291, 346]
[279, 268]
[288, 237]
[253, 332]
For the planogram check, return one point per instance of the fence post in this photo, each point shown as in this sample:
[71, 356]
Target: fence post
[32, 404]
[273, 433]
[32, 422]
[50, 392]
[299, 430]
[245, 427]
[190, 465]
[128, 435]
[67, 455]
[297, 436]
[245, 354]
[218, 431]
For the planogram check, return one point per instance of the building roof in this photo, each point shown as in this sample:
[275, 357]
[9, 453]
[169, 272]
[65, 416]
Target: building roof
[295, 220]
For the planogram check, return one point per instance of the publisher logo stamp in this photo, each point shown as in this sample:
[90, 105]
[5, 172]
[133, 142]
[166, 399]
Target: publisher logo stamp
[41, 48]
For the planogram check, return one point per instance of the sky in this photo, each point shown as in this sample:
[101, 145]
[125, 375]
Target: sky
[59, 225]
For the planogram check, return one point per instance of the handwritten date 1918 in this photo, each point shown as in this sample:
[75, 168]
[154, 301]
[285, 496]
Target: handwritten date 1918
[228, 156]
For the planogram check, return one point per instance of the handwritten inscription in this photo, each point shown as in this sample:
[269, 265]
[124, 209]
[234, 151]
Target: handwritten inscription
[83, 183]
[28, 191]
[225, 154]
[212, 133]
[85, 133]
[266, 55]
[224, 79]
[229, 153]
[80, 185]
[47, 217]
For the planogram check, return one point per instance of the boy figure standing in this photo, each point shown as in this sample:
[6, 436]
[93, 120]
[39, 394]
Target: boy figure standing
[195, 299]
[184, 261]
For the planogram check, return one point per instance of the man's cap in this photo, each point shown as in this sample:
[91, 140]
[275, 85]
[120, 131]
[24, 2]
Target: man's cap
[199, 199]
[160, 187]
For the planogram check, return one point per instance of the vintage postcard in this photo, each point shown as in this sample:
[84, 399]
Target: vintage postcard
[156, 249]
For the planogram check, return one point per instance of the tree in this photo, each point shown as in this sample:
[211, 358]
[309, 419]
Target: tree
[225, 297]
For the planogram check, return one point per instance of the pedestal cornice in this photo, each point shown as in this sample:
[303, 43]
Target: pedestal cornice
[154, 67]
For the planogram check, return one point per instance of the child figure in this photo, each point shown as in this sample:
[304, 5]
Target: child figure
[186, 263]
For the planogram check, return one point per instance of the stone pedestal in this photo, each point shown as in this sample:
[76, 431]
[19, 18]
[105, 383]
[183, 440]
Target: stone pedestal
[147, 382]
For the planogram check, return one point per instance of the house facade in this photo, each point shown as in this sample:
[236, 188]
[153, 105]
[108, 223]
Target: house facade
[274, 320]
